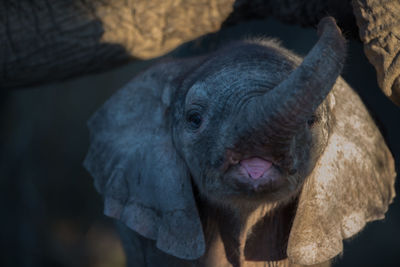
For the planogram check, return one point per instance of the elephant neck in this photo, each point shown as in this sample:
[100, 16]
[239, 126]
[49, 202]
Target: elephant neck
[242, 235]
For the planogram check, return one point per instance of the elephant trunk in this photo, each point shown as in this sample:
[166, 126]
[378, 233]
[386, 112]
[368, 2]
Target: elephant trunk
[287, 107]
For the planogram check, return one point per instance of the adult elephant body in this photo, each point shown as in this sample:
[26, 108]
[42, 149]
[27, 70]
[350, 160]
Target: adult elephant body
[43, 41]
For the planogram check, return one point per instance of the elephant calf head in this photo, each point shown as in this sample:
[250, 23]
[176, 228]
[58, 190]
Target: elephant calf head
[248, 120]
[248, 125]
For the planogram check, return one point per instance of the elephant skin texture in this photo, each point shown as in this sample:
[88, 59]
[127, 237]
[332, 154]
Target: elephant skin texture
[68, 38]
[247, 156]
[379, 26]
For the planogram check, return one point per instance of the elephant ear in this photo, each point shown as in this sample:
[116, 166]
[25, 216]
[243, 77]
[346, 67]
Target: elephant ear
[136, 168]
[351, 184]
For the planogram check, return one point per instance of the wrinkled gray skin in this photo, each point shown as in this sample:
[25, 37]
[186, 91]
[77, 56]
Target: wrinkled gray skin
[166, 151]
[73, 37]
[223, 91]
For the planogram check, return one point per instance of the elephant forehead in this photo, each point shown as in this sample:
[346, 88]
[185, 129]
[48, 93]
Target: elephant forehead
[233, 81]
[242, 74]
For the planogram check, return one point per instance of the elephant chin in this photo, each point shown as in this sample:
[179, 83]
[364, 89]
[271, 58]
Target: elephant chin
[266, 185]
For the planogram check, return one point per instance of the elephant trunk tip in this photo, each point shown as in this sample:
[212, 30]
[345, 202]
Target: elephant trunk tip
[328, 28]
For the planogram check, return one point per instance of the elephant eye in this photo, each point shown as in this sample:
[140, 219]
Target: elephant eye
[194, 119]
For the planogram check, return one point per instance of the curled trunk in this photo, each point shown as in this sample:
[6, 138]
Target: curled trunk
[301, 12]
[290, 104]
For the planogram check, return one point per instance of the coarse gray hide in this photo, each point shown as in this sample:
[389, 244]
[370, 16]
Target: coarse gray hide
[241, 156]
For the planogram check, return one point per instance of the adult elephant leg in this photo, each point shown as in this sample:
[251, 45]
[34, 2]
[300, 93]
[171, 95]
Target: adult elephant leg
[42, 41]
[379, 28]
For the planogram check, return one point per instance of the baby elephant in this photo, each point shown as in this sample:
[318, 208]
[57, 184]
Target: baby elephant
[247, 156]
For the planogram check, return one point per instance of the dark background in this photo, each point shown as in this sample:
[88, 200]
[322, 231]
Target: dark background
[50, 214]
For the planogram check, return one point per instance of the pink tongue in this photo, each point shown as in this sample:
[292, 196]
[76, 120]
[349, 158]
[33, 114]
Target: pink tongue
[256, 167]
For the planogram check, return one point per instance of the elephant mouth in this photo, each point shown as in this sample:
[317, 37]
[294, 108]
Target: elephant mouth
[255, 167]
[256, 175]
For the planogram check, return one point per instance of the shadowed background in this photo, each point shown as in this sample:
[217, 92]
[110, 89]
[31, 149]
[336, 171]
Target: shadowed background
[51, 214]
